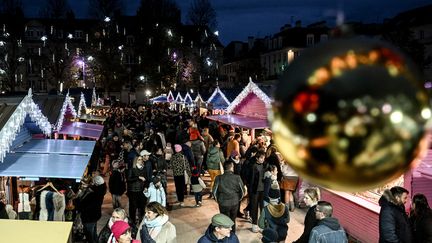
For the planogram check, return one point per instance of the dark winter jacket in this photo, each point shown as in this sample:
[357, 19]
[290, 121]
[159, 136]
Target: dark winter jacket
[187, 151]
[209, 237]
[394, 225]
[89, 204]
[328, 230]
[422, 227]
[228, 189]
[198, 150]
[134, 183]
[309, 223]
[214, 158]
[3, 213]
[117, 183]
[179, 164]
[275, 217]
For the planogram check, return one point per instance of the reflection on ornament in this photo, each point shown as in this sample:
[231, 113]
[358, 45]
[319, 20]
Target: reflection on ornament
[350, 114]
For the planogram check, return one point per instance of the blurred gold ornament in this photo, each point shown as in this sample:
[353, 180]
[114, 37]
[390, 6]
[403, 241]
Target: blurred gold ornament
[350, 114]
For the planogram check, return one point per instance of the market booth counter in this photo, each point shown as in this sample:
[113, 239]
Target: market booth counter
[359, 212]
[35, 231]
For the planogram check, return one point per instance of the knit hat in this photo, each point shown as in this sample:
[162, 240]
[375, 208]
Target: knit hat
[178, 148]
[98, 180]
[269, 236]
[118, 228]
[221, 220]
[274, 192]
[195, 171]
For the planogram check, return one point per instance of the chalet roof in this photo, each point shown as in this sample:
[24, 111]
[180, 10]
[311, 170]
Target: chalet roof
[50, 106]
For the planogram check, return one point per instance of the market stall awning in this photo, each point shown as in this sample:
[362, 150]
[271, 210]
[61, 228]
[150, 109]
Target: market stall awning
[53, 146]
[88, 117]
[35, 231]
[44, 165]
[241, 121]
[82, 129]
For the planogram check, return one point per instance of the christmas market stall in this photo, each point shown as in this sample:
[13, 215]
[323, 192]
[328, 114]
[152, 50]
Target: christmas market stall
[248, 110]
[66, 125]
[219, 100]
[359, 212]
[159, 99]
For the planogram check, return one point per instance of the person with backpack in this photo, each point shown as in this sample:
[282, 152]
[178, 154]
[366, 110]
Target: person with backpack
[215, 158]
[276, 214]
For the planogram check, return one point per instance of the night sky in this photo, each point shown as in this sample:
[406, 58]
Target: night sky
[238, 19]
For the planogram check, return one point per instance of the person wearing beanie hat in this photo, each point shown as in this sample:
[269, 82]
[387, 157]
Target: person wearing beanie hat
[275, 215]
[122, 233]
[179, 165]
[219, 230]
[197, 186]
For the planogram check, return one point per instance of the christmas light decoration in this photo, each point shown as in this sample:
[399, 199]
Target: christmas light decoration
[218, 91]
[94, 98]
[66, 104]
[250, 88]
[81, 104]
[179, 99]
[16, 120]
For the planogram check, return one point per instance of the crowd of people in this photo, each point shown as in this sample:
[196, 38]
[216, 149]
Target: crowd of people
[142, 144]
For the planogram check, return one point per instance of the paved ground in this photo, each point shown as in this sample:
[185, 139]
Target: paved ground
[191, 222]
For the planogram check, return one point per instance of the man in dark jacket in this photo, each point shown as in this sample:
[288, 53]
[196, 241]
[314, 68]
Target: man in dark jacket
[219, 231]
[393, 221]
[228, 191]
[328, 228]
[89, 204]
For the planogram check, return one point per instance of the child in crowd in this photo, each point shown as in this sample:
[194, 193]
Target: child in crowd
[270, 177]
[197, 186]
[155, 192]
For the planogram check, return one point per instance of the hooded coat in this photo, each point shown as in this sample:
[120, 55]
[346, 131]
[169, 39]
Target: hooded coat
[328, 230]
[276, 217]
[209, 237]
[394, 224]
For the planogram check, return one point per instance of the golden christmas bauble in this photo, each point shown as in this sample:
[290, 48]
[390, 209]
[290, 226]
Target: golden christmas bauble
[350, 114]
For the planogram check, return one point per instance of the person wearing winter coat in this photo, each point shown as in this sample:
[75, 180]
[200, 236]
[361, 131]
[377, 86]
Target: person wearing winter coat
[122, 232]
[219, 230]
[136, 182]
[421, 219]
[394, 224]
[328, 229]
[106, 236]
[276, 214]
[155, 192]
[198, 150]
[156, 227]
[197, 186]
[311, 198]
[117, 183]
[270, 177]
[228, 191]
[215, 159]
[179, 164]
[89, 204]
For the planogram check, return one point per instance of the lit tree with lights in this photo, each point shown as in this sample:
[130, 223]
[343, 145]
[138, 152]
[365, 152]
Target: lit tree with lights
[57, 46]
[11, 51]
[107, 45]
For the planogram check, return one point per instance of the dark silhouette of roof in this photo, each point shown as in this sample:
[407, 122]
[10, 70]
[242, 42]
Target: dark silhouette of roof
[50, 106]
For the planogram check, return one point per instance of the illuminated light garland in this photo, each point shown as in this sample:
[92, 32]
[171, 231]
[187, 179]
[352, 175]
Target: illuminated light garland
[250, 88]
[94, 97]
[187, 96]
[179, 99]
[81, 104]
[67, 103]
[170, 94]
[198, 98]
[16, 120]
[218, 91]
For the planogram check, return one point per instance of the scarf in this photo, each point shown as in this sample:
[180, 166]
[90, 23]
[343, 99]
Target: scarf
[154, 226]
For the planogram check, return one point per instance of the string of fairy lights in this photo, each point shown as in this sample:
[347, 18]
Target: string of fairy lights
[12, 127]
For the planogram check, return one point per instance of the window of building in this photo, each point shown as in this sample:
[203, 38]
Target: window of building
[280, 42]
[39, 33]
[421, 35]
[310, 40]
[78, 34]
[130, 40]
[323, 37]
[30, 33]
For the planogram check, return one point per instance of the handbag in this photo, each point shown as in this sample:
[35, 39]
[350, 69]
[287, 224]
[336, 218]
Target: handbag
[186, 175]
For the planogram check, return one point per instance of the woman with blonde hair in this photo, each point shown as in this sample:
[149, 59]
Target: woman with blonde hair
[156, 227]
[311, 198]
